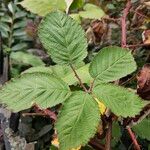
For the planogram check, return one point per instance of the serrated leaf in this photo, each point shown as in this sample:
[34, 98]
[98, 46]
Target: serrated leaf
[116, 133]
[92, 12]
[121, 101]
[42, 89]
[65, 73]
[81, 115]
[63, 38]
[112, 63]
[142, 129]
[43, 7]
[26, 58]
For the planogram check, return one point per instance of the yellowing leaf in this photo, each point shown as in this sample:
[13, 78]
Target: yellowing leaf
[102, 107]
[55, 142]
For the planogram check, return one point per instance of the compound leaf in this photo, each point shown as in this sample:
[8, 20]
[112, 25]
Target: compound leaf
[77, 121]
[42, 7]
[37, 88]
[121, 101]
[63, 38]
[112, 63]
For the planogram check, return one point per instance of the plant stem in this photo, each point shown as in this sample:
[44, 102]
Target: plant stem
[33, 114]
[80, 81]
[108, 135]
[138, 13]
[123, 24]
[45, 112]
[138, 45]
[137, 146]
[96, 144]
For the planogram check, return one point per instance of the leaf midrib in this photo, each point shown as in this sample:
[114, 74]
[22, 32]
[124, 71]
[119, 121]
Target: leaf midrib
[110, 66]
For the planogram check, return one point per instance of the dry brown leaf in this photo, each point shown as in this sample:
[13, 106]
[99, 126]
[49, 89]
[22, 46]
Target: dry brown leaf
[146, 36]
[143, 82]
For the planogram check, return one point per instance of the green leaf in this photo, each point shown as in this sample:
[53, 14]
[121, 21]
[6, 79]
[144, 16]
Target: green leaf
[43, 7]
[116, 133]
[42, 89]
[77, 4]
[92, 12]
[83, 74]
[26, 58]
[19, 46]
[12, 7]
[20, 24]
[65, 73]
[77, 121]
[38, 69]
[19, 32]
[112, 63]
[76, 17]
[63, 38]
[142, 129]
[121, 101]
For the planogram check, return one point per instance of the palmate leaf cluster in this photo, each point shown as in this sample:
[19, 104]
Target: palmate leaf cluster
[79, 117]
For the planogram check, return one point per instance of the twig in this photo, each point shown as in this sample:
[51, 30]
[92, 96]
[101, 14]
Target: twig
[112, 19]
[52, 116]
[45, 112]
[123, 24]
[96, 144]
[137, 146]
[80, 81]
[137, 45]
[108, 135]
[33, 114]
[128, 80]
[138, 13]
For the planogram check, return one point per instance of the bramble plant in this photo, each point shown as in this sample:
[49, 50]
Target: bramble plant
[79, 117]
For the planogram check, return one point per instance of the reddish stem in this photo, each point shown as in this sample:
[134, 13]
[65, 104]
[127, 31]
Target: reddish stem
[96, 144]
[123, 24]
[138, 13]
[45, 112]
[137, 146]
